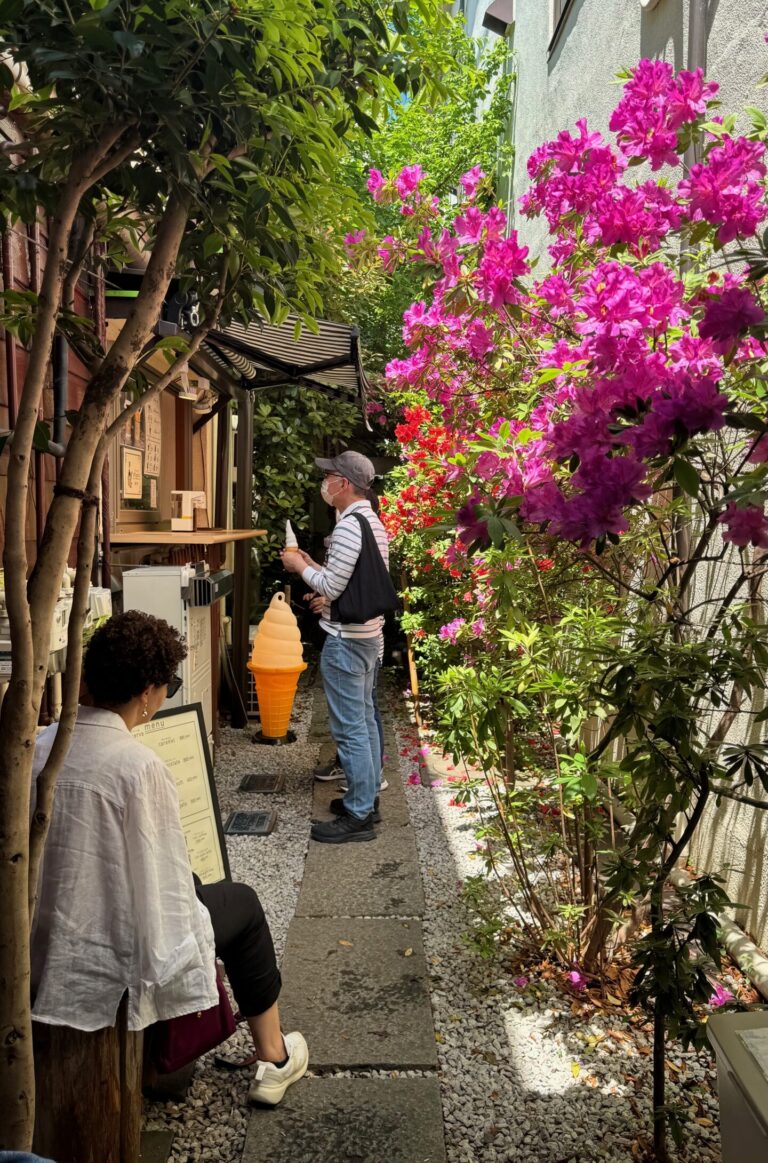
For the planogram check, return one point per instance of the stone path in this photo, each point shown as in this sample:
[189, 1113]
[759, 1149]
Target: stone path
[356, 985]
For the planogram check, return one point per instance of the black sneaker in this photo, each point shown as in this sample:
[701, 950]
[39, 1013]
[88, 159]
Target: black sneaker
[343, 830]
[338, 809]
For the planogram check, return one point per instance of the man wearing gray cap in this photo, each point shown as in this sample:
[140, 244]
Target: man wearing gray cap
[350, 651]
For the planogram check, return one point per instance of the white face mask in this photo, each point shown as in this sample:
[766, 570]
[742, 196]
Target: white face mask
[326, 494]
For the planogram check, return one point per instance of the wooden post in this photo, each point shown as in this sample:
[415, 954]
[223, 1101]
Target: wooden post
[88, 1105]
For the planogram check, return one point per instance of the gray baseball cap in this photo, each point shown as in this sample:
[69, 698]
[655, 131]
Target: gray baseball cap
[353, 466]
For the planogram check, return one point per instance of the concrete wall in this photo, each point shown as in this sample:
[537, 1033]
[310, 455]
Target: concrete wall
[576, 79]
[600, 37]
[732, 839]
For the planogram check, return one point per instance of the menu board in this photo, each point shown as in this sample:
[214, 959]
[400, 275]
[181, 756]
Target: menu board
[152, 438]
[177, 736]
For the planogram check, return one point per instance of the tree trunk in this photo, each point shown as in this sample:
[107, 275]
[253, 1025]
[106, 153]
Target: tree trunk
[89, 1093]
[31, 613]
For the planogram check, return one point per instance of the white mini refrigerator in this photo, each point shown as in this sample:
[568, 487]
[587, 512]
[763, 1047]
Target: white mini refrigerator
[165, 591]
[740, 1041]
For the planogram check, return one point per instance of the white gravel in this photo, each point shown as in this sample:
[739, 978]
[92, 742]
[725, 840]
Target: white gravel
[523, 1079]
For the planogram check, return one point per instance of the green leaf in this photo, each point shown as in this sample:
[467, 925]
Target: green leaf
[41, 437]
[687, 477]
[366, 123]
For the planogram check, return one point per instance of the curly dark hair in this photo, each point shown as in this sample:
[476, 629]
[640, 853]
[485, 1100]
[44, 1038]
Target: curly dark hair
[129, 653]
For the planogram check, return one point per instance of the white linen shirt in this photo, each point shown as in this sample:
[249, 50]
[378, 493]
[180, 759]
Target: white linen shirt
[116, 907]
[344, 548]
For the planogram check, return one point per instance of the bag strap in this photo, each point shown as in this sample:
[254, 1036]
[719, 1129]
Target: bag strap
[369, 541]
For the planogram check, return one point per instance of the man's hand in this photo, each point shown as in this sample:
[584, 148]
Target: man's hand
[293, 560]
[316, 602]
[308, 560]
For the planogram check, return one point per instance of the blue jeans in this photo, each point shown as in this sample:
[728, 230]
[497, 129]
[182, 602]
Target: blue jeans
[377, 712]
[348, 667]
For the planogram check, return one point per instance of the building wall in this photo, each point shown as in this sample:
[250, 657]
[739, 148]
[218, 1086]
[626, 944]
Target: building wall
[576, 79]
[598, 38]
[23, 246]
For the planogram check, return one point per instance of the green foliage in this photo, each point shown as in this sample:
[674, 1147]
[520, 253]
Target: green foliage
[289, 426]
[245, 114]
[462, 125]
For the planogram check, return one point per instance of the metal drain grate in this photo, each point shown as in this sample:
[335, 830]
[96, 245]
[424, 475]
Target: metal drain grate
[263, 781]
[250, 823]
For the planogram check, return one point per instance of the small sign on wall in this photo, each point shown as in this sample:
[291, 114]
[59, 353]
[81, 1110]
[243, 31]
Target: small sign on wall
[133, 482]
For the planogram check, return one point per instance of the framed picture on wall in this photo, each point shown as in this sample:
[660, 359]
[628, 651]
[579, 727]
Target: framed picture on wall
[133, 475]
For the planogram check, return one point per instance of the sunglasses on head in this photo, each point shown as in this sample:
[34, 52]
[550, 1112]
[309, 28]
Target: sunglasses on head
[174, 685]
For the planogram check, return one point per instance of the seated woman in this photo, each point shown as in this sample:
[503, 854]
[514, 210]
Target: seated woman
[117, 907]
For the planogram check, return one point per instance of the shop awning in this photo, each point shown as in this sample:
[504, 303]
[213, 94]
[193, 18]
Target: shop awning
[265, 355]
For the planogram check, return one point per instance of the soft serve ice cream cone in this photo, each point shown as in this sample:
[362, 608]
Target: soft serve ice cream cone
[276, 663]
[290, 537]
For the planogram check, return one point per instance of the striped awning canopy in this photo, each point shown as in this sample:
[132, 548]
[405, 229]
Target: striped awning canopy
[265, 355]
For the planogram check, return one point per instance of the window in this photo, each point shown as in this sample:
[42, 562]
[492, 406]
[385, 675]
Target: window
[559, 10]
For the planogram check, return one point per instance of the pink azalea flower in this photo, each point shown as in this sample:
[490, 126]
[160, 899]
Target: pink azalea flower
[414, 779]
[726, 188]
[449, 632]
[745, 526]
[471, 180]
[520, 982]
[721, 996]
[407, 181]
[729, 315]
[577, 980]
[375, 184]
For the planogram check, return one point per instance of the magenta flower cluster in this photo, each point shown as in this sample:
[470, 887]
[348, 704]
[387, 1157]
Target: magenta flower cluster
[623, 362]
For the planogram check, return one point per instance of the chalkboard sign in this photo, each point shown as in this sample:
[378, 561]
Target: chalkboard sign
[177, 736]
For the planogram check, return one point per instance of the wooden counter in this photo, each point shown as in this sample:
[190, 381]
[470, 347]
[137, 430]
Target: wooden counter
[198, 537]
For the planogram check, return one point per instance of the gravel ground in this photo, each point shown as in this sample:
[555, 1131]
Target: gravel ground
[528, 1075]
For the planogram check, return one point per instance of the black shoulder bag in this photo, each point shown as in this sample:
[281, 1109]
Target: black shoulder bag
[369, 591]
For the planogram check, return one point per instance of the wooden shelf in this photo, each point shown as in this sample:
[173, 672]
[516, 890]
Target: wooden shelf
[199, 537]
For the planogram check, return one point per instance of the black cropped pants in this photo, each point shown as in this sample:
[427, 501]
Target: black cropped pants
[244, 944]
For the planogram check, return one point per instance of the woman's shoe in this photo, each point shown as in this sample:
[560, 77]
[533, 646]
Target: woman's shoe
[271, 1082]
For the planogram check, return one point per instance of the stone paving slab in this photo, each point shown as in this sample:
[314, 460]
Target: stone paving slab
[155, 1146]
[380, 878]
[393, 805]
[357, 989]
[364, 1120]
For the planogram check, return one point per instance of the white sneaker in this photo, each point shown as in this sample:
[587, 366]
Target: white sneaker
[344, 786]
[271, 1082]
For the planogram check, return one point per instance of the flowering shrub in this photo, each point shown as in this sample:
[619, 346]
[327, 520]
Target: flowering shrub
[608, 415]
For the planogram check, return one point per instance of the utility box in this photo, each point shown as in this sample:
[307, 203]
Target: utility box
[740, 1042]
[183, 596]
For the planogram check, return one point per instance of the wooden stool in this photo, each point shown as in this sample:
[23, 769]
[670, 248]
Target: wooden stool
[88, 1101]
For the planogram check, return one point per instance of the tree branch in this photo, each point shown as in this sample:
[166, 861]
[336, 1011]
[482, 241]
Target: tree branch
[46, 780]
[196, 340]
[727, 794]
[109, 380]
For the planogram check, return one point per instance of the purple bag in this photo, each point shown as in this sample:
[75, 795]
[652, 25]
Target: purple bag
[178, 1041]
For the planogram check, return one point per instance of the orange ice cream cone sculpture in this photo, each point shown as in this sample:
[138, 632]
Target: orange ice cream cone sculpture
[276, 663]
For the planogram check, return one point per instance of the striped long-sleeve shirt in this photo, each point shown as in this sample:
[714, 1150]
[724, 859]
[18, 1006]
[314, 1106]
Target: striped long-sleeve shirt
[343, 551]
